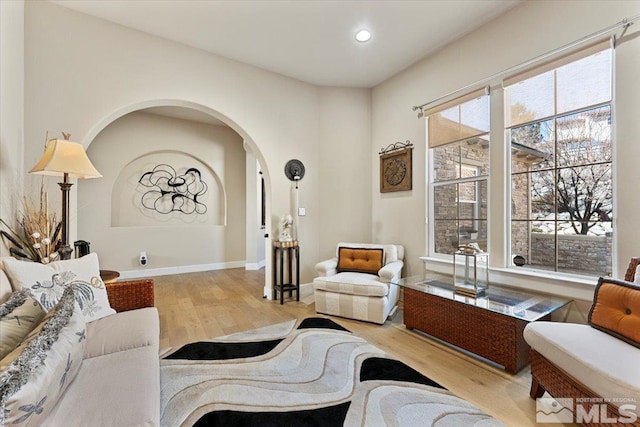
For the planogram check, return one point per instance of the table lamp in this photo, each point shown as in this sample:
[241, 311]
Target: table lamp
[69, 160]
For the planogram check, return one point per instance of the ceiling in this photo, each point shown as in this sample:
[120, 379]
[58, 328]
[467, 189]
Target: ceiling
[310, 40]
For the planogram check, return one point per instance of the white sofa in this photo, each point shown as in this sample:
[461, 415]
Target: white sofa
[594, 364]
[359, 295]
[118, 383]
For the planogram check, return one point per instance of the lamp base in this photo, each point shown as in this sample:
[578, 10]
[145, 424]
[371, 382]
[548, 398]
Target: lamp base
[65, 251]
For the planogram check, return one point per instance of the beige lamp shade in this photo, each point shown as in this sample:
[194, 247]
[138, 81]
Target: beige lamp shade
[68, 157]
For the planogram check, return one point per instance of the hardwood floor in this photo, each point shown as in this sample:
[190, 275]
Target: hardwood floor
[198, 306]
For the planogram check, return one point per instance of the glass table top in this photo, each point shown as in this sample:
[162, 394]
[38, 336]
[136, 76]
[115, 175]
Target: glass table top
[515, 303]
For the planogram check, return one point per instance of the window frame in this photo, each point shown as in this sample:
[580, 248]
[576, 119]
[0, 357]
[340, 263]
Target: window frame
[557, 167]
[499, 180]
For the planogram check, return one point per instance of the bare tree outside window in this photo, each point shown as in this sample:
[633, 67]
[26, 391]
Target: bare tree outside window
[561, 146]
[582, 185]
[584, 157]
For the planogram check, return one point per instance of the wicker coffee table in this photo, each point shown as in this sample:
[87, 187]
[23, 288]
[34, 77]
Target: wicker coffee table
[489, 326]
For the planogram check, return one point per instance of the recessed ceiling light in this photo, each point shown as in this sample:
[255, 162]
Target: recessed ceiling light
[363, 36]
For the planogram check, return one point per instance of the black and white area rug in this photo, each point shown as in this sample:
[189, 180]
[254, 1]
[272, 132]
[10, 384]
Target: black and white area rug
[302, 373]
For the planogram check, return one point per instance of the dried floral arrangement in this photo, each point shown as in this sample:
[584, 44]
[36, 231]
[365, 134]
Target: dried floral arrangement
[38, 233]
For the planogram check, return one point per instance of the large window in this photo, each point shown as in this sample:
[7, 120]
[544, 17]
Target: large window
[459, 158]
[558, 121]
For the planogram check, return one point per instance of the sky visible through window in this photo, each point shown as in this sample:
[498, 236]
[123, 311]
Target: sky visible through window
[577, 85]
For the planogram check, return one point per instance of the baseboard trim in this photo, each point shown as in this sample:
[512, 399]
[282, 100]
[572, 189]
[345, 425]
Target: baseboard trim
[254, 265]
[165, 271]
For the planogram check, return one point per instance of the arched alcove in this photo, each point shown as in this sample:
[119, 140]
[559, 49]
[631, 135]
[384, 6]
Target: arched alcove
[192, 243]
[161, 103]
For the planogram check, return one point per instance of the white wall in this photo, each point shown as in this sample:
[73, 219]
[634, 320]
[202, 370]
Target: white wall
[82, 73]
[119, 228]
[345, 170]
[11, 110]
[528, 30]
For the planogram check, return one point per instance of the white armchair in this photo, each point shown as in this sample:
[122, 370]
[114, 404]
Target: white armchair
[355, 283]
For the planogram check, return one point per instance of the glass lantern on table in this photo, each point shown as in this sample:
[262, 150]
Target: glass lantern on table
[471, 276]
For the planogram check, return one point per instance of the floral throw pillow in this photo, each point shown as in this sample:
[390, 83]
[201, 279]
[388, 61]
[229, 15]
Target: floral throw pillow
[19, 315]
[35, 375]
[47, 282]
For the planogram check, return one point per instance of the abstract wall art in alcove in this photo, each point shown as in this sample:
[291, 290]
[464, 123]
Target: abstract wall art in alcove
[164, 190]
[168, 188]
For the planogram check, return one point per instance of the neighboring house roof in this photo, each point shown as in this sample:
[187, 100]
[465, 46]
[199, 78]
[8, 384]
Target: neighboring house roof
[527, 154]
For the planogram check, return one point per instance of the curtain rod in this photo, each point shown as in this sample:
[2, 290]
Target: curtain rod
[626, 22]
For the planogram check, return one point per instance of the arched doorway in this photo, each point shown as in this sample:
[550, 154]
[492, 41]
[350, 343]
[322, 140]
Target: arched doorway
[118, 154]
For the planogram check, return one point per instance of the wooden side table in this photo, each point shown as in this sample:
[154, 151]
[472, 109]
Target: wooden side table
[284, 255]
[109, 276]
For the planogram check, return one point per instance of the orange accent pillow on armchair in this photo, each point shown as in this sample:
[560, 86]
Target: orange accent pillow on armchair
[360, 260]
[616, 310]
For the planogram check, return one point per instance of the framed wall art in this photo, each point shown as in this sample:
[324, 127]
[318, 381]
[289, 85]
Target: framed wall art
[395, 167]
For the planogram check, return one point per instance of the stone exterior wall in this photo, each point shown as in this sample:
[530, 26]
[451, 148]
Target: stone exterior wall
[576, 253]
[520, 191]
[455, 224]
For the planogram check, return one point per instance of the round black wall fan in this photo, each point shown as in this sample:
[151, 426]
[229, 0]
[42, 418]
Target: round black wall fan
[294, 170]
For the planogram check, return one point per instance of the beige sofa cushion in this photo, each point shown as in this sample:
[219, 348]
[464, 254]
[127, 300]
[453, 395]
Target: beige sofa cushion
[352, 284]
[19, 315]
[353, 306]
[606, 365]
[123, 331]
[5, 285]
[114, 390]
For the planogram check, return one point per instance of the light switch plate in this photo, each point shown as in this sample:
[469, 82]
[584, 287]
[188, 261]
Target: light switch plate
[302, 211]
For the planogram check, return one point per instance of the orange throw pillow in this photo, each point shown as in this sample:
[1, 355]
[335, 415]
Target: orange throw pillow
[616, 310]
[360, 260]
